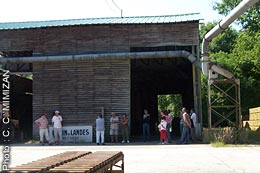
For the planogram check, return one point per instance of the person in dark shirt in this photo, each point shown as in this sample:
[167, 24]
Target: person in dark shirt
[124, 124]
[146, 125]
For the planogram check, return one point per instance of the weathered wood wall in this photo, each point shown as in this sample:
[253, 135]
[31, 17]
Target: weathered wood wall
[98, 38]
[80, 93]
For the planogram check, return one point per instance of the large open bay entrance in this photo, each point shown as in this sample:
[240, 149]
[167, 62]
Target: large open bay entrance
[153, 77]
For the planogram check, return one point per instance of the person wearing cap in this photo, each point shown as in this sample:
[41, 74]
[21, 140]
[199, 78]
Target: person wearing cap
[57, 127]
[42, 123]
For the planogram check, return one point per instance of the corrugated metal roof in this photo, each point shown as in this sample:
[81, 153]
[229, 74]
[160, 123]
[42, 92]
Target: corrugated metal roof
[103, 21]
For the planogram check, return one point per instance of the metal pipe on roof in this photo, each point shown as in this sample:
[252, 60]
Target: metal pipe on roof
[121, 55]
[221, 26]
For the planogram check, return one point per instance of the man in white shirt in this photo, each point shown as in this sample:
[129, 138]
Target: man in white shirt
[57, 127]
[194, 120]
[100, 129]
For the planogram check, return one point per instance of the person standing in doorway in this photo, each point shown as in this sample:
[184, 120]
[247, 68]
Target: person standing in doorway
[57, 127]
[146, 125]
[43, 124]
[193, 125]
[168, 126]
[181, 122]
[124, 123]
[114, 127]
[185, 136]
[100, 130]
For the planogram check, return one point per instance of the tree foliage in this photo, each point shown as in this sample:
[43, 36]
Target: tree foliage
[246, 65]
[244, 62]
[238, 52]
[224, 42]
[249, 20]
[173, 103]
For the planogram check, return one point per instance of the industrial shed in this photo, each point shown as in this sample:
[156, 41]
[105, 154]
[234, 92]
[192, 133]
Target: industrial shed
[86, 66]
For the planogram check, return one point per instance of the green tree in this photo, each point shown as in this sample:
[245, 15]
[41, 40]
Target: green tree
[238, 52]
[249, 20]
[247, 67]
[171, 102]
[225, 41]
[244, 62]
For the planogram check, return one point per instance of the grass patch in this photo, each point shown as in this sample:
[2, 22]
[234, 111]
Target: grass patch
[221, 144]
[218, 144]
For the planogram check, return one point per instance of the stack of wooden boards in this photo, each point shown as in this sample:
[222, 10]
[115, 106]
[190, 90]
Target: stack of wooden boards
[76, 162]
[254, 119]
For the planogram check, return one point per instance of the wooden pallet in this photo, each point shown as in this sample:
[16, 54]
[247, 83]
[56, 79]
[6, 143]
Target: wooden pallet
[75, 162]
[47, 163]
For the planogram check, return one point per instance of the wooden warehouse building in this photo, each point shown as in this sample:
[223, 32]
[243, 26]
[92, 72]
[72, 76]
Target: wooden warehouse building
[87, 66]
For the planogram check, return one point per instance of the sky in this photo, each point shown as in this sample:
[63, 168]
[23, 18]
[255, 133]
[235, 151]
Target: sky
[39, 10]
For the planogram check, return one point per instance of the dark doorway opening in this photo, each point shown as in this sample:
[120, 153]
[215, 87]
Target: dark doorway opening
[20, 95]
[153, 77]
[20, 108]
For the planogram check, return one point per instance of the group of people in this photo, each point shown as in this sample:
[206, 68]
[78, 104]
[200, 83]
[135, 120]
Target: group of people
[187, 127]
[114, 128]
[164, 126]
[188, 124]
[43, 125]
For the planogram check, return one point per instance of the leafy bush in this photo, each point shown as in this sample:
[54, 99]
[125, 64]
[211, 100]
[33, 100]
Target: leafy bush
[225, 135]
[247, 136]
[230, 135]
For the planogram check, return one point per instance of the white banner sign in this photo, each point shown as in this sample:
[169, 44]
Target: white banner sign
[74, 134]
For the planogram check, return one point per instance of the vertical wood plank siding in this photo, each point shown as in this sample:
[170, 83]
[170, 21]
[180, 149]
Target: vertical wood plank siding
[80, 93]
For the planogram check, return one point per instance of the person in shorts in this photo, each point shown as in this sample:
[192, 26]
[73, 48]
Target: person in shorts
[114, 127]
